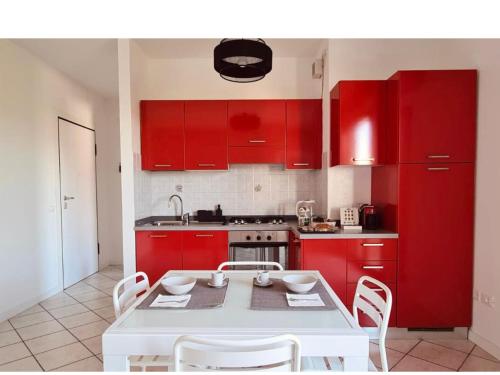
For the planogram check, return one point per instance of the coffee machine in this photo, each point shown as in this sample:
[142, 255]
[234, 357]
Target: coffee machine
[368, 216]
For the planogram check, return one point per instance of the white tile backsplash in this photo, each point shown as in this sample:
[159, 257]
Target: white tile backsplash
[234, 190]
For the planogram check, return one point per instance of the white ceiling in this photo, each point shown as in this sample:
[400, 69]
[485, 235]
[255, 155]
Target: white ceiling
[91, 62]
[200, 48]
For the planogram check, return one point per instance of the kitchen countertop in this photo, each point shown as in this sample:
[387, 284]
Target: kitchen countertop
[145, 225]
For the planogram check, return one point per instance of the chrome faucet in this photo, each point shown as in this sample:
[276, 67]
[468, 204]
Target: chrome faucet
[184, 216]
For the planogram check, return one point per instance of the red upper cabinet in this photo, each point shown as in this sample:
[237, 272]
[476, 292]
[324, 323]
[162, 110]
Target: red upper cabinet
[304, 133]
[206, 134]
[257, 131]
[435, 245]
[437, 115]
[204, 250]
[158, 252]
[358, 112]
[162, 135]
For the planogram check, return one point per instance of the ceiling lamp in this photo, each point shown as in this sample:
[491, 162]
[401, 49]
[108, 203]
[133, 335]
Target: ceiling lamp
[243, 60]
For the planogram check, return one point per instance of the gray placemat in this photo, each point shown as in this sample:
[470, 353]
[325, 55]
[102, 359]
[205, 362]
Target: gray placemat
[202, 297]
[274, 298]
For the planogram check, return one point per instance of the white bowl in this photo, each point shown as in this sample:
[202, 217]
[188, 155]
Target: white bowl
[178, 284]
[300, 283]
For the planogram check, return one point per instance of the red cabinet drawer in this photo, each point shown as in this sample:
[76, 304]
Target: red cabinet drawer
[364, 320]
[257, 154]
[206, 134]
[162, 135]
[257, 122]
[373, 249]
[158, 252]
[204, 250]
[385, 271]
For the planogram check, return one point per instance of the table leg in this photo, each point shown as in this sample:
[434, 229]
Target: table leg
[116, 363]
[358, 364]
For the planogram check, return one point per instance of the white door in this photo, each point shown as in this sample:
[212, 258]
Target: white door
[78, 201]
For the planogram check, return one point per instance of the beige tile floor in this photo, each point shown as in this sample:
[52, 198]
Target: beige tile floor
[63, 333]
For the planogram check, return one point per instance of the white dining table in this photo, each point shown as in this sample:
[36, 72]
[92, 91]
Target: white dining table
[153, 331]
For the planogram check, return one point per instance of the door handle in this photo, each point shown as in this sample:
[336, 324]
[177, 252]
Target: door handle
[157, 236]
[203, 235]
[369, 160]
[300, 164]
[438, 169]
[206, 165]
[163, 165]
[372, 244]
[373, 267]
[66, 198]
[438, 156]
[257, 141]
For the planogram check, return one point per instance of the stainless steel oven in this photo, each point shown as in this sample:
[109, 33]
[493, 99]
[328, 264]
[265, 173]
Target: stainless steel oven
[258, 246]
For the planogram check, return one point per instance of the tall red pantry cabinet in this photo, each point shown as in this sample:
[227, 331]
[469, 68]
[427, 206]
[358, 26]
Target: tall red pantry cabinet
[426, 194]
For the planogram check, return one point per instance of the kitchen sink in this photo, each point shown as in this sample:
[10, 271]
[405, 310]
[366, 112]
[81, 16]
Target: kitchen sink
[162, 223]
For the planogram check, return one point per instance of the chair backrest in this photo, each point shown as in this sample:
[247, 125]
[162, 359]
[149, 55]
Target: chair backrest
[372, 304]
[250, 263]
[122, 301]
[278, 353]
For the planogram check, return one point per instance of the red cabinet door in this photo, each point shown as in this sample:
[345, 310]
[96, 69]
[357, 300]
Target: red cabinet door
[204, 250]
[358, 115]
[304, 133]
[435, 245]
[328, 257]
[257, 122]
[373, 249]
[158, 252]
[162, 135]
[206, 134]
[383, 270]
[437, 116]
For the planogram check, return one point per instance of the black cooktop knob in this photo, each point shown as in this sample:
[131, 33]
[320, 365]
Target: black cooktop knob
[259, 238]
[269, 238]
[249, 238]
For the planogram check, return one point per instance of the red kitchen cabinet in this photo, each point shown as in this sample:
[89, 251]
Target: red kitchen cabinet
[437, 115]
[435, 245]
[382, 270]
[204, 250]
[162, 135]
[294, 252]
[358, 112]
[206, 134]
[372, 249]
[329, 257]
[158, 252]
[304, 133]
[257, 131]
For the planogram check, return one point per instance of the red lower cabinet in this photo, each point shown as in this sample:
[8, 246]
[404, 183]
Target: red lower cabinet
[204, 250]
[158, 252]
[364, 320]
[329, 258]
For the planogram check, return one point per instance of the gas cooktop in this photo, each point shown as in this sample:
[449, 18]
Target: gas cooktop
[256, 220]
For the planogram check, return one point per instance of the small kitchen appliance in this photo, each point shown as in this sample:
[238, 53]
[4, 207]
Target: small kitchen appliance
[368, 216]
[304, 212]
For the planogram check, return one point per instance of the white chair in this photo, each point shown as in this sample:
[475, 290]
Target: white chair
[250, 263]
[279, 353]
[122, 302]
[369, 302]
[378, 309]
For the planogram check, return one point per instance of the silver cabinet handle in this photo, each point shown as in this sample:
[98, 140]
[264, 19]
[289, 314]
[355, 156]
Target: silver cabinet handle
[66, 198]
[373, 267]
[157, 236]
[206, 165]
[203, 235]
[372, 244]
[257, 141]
[163, 165]
[301, 164]
[438, 156]
[438, 169]
[365, 159]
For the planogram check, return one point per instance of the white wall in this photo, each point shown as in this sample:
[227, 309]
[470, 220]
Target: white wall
[32, 96]
[378, 59]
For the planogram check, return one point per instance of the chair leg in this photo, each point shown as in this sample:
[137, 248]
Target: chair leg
[383, 356]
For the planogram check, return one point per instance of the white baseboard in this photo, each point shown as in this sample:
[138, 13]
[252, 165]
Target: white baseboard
[485, 344]
[11, 311]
